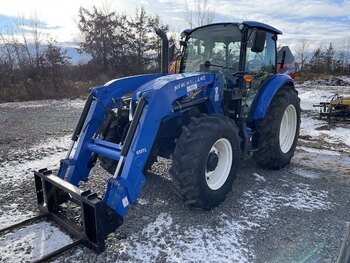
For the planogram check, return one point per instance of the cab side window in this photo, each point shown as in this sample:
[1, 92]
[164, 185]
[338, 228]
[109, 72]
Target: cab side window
[261, 62]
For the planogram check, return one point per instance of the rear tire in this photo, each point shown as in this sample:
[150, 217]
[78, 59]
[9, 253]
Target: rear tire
[277, 134]
[205, 161]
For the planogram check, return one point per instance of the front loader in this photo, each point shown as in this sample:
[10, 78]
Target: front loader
[226, 102]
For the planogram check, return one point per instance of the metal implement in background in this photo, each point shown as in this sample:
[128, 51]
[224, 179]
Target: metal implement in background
[336, 107]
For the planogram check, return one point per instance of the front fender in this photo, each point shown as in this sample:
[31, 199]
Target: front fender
[266, 93]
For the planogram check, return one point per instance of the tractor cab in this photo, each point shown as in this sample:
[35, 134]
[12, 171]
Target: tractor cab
[244, 53]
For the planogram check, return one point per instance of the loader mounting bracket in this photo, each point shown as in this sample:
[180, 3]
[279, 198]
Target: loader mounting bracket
[97, 219]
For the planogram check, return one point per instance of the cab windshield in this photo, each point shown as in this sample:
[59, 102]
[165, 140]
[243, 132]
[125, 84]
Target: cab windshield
[218, 44]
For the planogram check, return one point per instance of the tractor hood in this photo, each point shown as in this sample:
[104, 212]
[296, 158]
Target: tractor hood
[181, 83]
[167, 86]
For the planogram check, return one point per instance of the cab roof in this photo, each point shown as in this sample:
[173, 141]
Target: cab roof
[252, 24]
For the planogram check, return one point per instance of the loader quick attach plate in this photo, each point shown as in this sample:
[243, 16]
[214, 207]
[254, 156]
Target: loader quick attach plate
[97, 219]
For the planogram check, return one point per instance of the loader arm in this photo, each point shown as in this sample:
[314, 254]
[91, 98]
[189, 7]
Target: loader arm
[155, 96]
[155, 101]
[105, 98]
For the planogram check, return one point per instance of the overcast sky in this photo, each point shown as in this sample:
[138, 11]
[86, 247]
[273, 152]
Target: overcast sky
[318, 21]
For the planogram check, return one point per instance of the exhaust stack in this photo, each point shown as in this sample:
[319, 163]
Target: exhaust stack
[165, 50]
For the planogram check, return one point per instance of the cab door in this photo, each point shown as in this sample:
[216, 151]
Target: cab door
[260, 62]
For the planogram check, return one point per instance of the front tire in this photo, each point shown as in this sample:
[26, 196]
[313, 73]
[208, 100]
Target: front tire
[277, 134]
[205, 161]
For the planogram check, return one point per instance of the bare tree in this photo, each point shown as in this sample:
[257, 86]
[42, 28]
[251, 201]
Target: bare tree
[23, 28]
[29, 43]
[199, 13]
[36, 26]
[302, 49]
[8, 53]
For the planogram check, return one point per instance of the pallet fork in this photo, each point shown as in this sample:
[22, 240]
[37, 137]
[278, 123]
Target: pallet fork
[97, 219]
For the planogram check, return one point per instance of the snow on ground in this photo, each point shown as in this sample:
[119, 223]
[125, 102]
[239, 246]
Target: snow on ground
[44, 155]
[31, 243]
[310, 162]
[321, 147]
[306, 173]
[315, 91]
[319, 151]
[315, 129]
[311, 93]
[213, 242]
[142, 201]
[21, 167]
[12, 215]
[191, 245]
[259, 177]
[313, 97]
[301, 198]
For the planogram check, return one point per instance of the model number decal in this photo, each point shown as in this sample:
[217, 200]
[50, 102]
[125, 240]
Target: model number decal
[125, 201]
[143, 150]
[192, 87]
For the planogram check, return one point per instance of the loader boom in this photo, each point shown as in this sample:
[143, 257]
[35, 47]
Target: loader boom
[153, 106]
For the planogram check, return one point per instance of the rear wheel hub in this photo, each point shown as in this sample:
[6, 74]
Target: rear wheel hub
[212, 161]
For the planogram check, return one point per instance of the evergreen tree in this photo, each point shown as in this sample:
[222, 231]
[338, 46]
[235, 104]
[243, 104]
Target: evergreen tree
[328, 59]
[316, 61]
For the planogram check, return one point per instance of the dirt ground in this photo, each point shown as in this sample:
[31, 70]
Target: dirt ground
[297, 214]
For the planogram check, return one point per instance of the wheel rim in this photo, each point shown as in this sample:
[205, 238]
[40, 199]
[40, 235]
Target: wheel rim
[218, 169]
[288, 128]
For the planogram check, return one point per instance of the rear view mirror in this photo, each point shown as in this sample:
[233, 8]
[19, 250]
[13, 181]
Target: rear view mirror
[259, 41]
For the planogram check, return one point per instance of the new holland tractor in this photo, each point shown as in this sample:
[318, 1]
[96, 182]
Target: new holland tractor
[226, 102]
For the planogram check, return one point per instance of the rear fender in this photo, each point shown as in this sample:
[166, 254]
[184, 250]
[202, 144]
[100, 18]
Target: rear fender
[266, 93]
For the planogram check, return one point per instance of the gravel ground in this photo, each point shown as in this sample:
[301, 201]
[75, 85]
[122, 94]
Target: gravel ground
[297, 214]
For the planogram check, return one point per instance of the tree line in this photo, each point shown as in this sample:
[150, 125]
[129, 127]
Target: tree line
[324, 60]
[34, 66]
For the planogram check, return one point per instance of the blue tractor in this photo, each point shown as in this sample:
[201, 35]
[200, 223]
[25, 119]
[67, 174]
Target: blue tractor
[226, 102]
